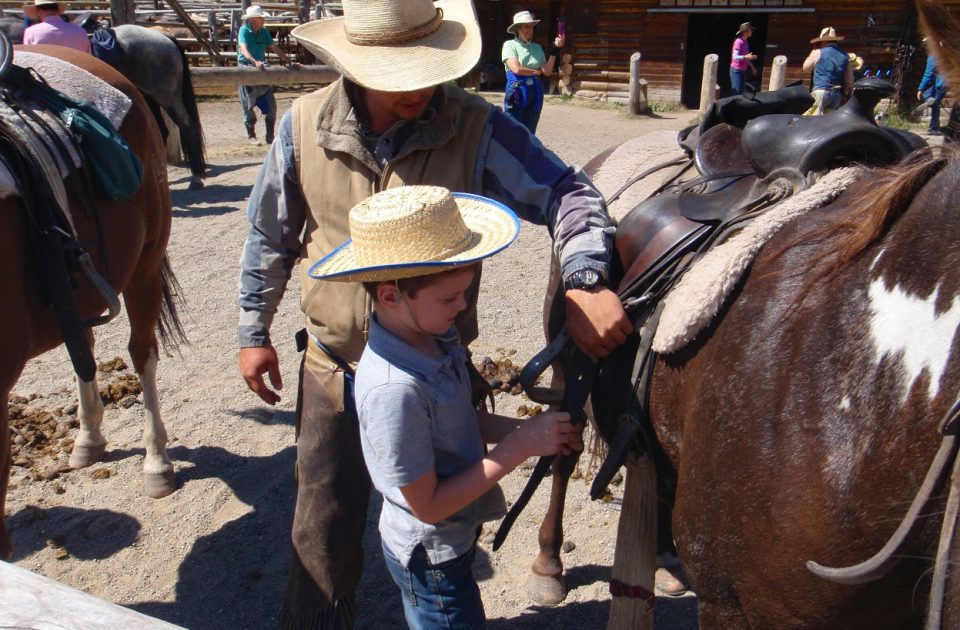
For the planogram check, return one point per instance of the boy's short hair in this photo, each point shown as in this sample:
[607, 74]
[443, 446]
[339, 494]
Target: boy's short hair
[410, 286]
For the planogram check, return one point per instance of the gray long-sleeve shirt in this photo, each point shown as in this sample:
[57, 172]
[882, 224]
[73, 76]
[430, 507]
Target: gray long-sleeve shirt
[512, 167]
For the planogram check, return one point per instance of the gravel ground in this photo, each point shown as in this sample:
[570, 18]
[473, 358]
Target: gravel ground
[215, 553]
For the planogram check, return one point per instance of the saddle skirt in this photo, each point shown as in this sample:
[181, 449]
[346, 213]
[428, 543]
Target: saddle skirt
[75, 83]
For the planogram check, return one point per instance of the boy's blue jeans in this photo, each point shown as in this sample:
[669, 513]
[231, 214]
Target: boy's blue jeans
[444, 596]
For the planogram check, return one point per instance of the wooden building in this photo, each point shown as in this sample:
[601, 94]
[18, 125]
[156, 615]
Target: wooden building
[673, 36]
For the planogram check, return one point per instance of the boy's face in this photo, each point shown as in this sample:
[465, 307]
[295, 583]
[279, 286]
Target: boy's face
[435, 306]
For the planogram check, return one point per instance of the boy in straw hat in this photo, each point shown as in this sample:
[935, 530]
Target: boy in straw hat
[393, 119]
[416, 250]
[832, 73]
[52, 28]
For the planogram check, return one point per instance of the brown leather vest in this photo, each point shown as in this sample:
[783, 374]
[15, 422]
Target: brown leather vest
[336, 171]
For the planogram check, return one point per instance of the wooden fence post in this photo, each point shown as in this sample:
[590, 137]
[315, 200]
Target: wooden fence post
[123, 12]
[778, 73]
[709, 85]
[635, 554]
[634, 99]
[212, 25]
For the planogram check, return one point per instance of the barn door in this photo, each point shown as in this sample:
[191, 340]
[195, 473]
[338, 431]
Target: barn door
[714, 33]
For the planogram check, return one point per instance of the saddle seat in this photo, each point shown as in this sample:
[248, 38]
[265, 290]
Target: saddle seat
[741, 171]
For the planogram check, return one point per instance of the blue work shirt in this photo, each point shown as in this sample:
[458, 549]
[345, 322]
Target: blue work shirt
[416, 414]
[830, 69]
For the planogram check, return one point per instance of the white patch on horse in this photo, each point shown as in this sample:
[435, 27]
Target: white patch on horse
[907, 327]
[845, 404]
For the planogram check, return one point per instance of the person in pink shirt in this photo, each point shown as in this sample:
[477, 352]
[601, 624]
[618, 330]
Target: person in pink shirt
[742, 59]
[53, 28]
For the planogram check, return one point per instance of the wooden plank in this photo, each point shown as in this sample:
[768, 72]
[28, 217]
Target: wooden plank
[274, 75]
[28, 600]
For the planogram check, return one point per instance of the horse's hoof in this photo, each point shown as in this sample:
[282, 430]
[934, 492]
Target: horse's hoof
[83, 455]
[195, 184]
[159, 485]
[545, 590]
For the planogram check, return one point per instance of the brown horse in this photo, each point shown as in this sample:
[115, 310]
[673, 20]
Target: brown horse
[800, 425]
[135, 233]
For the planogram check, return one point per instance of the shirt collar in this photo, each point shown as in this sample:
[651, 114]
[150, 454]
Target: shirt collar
[404, 356]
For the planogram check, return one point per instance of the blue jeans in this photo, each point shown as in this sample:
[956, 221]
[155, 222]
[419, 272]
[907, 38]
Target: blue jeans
[737, 78]
[523, 100]
[937, 96]
[438, 597]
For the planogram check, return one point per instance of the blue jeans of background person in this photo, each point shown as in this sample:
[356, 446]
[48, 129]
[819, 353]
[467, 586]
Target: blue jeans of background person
[937, 95]
[445, 596]
[523, 100]
[737, 79]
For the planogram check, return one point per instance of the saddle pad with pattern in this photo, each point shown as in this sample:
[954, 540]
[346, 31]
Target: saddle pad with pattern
[76, 83]
[700, 294]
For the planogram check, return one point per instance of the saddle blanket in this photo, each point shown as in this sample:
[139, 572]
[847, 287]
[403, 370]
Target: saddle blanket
[76, 83]
[700, 294]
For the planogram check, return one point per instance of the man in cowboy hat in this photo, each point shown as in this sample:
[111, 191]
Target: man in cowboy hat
[832, 73]
[253, 41]
[393, 119]
[52, 28]
[741, 59]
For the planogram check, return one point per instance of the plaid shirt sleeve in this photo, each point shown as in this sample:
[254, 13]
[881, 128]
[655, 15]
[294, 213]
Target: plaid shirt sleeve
[514, 168]
[277, 214]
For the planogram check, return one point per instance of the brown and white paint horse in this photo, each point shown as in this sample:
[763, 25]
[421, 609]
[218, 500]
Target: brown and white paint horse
[135, 233]
[800, 425]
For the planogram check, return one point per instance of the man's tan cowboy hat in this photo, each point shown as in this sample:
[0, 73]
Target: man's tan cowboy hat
[417, 230]
[30, 10]
[856, 60]
[397, 45]
[745, 26]
[521, 18]
[255, 11]
[828, 34]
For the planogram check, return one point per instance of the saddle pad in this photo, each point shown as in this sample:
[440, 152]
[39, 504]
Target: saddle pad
[76, 83]
[630, 159]
[702, 291]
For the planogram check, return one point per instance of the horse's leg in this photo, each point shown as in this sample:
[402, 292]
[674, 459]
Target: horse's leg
[89, 445]
[546, 585]
[6, 547]
[143, 298]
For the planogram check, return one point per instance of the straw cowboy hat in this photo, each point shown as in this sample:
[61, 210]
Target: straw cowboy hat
[828, 34]
[397, 45]
[856, 60]
[745, 26]
[30, 10]
[255, 11]
[417, 230]
[521, 18]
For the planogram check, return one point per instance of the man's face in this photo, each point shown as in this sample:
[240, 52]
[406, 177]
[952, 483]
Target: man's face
[256, 23]
[392, 107]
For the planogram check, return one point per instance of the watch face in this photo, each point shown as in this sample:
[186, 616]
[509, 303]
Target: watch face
[583, 279]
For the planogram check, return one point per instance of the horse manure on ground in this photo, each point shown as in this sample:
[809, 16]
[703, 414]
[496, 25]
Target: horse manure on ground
[501, 374]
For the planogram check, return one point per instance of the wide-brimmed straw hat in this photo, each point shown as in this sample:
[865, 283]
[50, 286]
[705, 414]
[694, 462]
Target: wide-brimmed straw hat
[417, 230]
[745, 26]
[828, 34]
[255, 11]
[521, 18]
[397, 45]
[30, 10]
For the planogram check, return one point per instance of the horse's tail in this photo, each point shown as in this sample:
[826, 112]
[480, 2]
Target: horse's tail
[169, 328]
[191, 136]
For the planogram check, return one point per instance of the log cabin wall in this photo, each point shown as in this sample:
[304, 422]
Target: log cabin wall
[674, 35]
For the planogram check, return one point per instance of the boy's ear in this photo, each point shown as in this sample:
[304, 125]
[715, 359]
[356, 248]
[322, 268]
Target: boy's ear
[388, 294]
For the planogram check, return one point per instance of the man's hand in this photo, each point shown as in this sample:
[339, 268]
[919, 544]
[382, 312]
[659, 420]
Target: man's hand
[596, 321]
[253, 363]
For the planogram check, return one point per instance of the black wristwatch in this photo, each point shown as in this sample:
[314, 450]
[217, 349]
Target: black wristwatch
[585, 279]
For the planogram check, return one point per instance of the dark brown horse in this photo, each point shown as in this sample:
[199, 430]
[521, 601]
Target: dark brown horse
[135, 233]
[801, 424]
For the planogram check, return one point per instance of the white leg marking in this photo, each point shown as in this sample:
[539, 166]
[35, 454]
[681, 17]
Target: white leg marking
[907, 326]
[156, 460]
[89, 444]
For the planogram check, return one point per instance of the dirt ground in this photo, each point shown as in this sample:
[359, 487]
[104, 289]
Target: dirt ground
[215, 553]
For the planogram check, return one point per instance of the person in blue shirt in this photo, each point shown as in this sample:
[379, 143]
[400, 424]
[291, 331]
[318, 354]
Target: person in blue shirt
[832, 73]
[930, 92]
[416, 249]
[253, 41]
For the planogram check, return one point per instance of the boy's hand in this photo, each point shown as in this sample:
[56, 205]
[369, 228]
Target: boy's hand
[550, 433]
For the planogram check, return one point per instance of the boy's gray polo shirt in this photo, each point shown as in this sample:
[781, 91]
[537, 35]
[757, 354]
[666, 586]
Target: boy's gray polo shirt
[415, 414]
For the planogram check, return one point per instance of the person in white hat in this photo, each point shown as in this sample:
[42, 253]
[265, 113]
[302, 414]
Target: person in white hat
[525, 64]
[52, 28]
[832, 73]
[394, 118]
[253, 42]
[416, 249]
